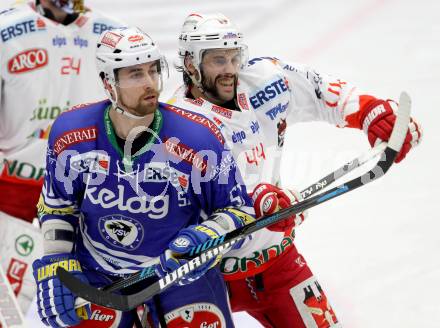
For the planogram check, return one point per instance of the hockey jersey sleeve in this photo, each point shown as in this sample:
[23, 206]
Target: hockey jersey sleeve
[62, 188]
[321, 97]
[220, 187]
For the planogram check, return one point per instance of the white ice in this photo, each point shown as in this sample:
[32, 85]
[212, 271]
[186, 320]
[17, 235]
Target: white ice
[375, 251]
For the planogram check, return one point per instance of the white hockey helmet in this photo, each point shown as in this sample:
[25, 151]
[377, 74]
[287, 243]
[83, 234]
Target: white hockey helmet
[124, 47]
[209, 31]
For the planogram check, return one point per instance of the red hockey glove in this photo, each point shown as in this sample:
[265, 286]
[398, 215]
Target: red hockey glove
[377, 122]
[268, 199]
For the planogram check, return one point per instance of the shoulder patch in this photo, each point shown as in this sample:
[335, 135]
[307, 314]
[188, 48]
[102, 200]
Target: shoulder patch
[199, 119]
[83, 106]
[72, 137]
[186, 153]
[253, 61]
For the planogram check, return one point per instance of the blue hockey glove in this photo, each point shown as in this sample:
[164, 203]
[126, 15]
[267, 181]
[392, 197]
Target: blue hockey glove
[220, 223]
[56, 304]
[187, 238]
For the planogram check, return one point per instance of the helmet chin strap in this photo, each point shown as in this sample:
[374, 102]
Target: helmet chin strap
[119, 109]
[124, 112]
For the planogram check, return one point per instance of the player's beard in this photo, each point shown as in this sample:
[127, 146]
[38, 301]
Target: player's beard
[146, 104]
[210, 87]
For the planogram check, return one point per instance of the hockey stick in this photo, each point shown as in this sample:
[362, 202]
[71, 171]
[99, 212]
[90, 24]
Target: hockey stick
[203, 253]
[307, 192]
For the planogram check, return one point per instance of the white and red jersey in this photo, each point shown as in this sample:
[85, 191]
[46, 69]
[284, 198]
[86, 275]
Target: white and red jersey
[45, 68]
[271, 96]
[21, 244]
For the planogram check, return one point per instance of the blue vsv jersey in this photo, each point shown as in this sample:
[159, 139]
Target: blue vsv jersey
[127, 209]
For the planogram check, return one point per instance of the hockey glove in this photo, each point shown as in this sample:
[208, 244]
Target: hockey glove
[378, 121]
[221, 222]
[268, 199]
[55, 303]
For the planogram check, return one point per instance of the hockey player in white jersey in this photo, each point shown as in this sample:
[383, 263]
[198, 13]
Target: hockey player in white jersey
[46, 66]
[253, 102]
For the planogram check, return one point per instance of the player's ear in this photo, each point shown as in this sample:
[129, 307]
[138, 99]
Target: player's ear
[108, 87]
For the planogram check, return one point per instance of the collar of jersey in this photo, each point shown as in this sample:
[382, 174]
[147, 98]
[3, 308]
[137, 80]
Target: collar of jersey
[156, 126]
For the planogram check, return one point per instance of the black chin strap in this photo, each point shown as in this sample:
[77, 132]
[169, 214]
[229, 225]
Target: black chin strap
[46, 12]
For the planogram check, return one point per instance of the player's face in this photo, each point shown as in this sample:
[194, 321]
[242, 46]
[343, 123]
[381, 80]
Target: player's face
[220, 71]
[67, 6]
[138, 88]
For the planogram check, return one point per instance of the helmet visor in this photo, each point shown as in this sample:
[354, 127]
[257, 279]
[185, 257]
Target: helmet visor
[220, 58]
[148, 74]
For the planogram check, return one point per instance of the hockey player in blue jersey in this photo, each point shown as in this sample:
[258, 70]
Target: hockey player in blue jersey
[130, 182]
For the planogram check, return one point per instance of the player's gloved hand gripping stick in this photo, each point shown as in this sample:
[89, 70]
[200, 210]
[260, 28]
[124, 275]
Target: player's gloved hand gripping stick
[213, 247]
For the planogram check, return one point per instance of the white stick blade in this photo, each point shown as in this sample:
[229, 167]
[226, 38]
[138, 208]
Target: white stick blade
[401, 126]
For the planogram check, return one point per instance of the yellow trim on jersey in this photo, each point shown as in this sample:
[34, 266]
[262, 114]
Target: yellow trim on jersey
[244, 217]
[44, 209]
[211, 233]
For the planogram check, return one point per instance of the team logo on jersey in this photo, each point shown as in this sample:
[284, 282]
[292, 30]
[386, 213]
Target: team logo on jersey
[98, 28]
[111, 39]
[200, 315]
[59, 41]
[155, 208]
[226, 164]
[16, 169]
[278, 109]
[101, 318]
[198, 119]
[238, 136]
[289, 68]
[312, 304]
[73, 137]
[218, 122]
[46, 112]
[269, 92]
[255, 126]
[22, 28]
[242, 101]
[41, 133]
[15, 274]
[121, 231]
[221, 111]
[281, 125]
[28, 60]
[91, 162]
[198, 101]
[186, 153]
[163, 172]
[81, 21]
[24, 245]
[41, 25]
[235, 267]
[253, 61]
[81, 43]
